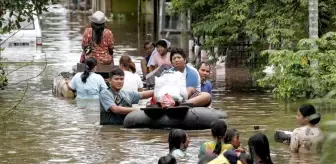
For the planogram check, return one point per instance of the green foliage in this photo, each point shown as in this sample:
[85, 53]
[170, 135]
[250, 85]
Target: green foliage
[329, 151]
[20, 10]
[298, 75]
[275, 23]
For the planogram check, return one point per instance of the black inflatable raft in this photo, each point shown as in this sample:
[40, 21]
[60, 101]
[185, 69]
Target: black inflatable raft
[182, 117]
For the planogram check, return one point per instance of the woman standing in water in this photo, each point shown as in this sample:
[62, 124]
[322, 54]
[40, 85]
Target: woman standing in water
[308, 138]
[87, 84]
[98, 41]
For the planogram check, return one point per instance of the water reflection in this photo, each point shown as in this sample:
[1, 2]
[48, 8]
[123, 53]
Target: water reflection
[46, 129]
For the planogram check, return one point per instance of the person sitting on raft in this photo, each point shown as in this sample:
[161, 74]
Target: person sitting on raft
[308, 138]
[195, 96]
[116, 103]
[132, 81]
[99, 40]
[149, 48]
[216, 147]
[160, 55]
[204, 72]
[87, 84]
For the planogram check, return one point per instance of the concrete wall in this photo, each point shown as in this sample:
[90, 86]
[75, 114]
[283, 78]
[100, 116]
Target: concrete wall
[125, 6]
[147, 7]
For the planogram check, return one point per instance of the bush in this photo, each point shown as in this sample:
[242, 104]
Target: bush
[309, 72]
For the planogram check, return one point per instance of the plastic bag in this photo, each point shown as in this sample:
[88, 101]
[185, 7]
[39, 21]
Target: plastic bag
[167, 101]
[150, 77]
[172, 83]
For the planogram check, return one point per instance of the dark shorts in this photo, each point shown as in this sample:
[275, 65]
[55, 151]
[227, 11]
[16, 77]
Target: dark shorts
[196, 94]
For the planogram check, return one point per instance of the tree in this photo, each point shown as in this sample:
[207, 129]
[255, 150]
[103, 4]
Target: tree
[294, 78]
[271, 24]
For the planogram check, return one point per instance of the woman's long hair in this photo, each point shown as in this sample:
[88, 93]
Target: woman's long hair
[218, 129]
[259, 146]
[90, 63]
[97, 32]
[127, 63]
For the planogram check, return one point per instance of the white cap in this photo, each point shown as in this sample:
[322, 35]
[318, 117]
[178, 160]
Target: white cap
[98, 17]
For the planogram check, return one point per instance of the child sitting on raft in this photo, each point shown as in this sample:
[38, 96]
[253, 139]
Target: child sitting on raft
[217, 146]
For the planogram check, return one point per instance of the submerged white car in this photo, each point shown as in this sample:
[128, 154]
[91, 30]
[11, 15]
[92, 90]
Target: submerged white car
[57, 8]
[29, 35]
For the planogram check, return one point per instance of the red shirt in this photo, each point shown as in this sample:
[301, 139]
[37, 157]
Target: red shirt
[101, 51]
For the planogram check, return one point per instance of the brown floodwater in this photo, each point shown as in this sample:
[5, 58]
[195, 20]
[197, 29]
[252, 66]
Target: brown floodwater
[46, 129]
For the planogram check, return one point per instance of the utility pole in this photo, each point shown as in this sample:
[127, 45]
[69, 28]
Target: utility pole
[313, 19]
[139, 17]
[155, 17]
[313, 26]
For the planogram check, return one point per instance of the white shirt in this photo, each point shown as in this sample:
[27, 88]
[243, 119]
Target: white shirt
[132, 81]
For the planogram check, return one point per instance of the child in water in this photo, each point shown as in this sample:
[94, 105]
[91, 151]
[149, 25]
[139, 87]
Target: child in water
[259, 149]
[178, 141]
[232, 137]
[217, 146]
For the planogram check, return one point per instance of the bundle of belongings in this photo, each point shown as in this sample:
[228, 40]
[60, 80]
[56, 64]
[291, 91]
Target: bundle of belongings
[282, 136]
[170, 89]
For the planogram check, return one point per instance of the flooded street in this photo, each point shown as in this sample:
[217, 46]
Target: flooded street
[46, 129]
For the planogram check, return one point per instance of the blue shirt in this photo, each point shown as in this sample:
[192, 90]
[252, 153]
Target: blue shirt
[206, 87]
[109, 98]
[91, 89]
[147, 58]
